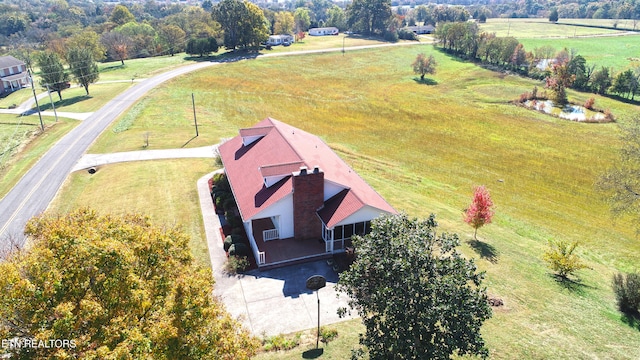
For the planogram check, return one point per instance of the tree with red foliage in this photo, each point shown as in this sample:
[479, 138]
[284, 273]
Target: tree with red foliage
[480, 210]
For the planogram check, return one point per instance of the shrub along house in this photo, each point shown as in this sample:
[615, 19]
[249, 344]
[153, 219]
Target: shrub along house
[297, 199]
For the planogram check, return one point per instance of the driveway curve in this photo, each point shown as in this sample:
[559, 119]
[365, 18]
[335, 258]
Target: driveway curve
[35, 190]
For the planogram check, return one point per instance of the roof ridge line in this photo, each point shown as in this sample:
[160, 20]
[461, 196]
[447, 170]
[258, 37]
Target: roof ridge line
[285, 139]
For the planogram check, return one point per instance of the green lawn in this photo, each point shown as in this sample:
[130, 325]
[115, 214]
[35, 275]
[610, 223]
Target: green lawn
[16, 98]
[542, 28]
[337, 349]
[618, 52]
[164, 189]
[424, 147]
[22, 144]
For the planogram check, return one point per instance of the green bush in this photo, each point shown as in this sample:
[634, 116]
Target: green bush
[230, 240]
[627, 289]
[280, 342]
[405, 34]
[229, 203]
[561, 258]
[238, 249]
[391, 36]
[327, 334]
[236, 264]
[226, 244]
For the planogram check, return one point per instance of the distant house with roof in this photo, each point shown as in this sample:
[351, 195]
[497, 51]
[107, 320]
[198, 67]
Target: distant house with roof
[296, 197]
[284, 39]
[13, 74]
[421, 29]
[324, 31]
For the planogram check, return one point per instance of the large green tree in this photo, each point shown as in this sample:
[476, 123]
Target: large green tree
[172, 38]
[620, 184]
[418, 297]
[283, 23]
[53, 76]
[243, 23]
[121, 15]
[255, 29]
[302, 18]
[83, 67]
[88, 39]
[336, 18]
[119, 288]
[369, 16]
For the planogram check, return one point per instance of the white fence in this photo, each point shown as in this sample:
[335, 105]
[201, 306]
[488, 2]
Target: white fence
[271, 234]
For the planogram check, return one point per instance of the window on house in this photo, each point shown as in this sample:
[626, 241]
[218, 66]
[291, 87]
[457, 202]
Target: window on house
[360, 228]
[348, 231]
[337, 232]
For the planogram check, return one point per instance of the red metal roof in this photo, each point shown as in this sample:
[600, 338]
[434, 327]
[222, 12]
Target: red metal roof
[281, 169]
[281, 145]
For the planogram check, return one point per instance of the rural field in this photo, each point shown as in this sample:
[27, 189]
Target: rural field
[424, 148]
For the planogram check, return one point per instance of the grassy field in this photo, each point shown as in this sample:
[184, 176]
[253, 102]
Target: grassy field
[16, 98]
[423, 147]
[597, 46]
[165, 190]
[22, 144]
[541, 28]
[619, 53]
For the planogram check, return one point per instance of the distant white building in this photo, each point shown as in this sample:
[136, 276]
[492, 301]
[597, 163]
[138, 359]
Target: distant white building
[323, 31]
[546, 64]
[275, 40]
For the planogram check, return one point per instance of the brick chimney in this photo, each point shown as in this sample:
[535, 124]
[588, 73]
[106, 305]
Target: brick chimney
[308, 197]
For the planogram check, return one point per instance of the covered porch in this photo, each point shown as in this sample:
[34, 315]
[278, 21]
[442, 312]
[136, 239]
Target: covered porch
[15, 82]
[270, 250]
[338, 238]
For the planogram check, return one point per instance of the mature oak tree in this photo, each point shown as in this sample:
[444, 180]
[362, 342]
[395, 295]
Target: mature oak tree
[83, 67]
[119, 287]
[121, 15]
[418, 297]
[368, 16]
[238, 22]
[172, 37]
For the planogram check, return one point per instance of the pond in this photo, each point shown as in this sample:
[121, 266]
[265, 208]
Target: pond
[569, 111]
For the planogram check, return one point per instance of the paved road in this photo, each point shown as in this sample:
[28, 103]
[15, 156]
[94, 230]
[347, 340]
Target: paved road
[33, 193]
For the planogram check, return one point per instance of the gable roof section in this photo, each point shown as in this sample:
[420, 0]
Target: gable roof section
[9, 61]
[281, 150]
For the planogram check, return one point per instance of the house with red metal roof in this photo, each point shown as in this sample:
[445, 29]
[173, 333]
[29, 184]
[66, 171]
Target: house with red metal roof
[297, 198]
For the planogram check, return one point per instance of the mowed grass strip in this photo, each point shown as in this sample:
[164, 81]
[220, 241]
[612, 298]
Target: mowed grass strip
[618, 53]
[23, 143]
[76, 100]
[424, 147]
[600, 47]
[542, 28]
[163, 189]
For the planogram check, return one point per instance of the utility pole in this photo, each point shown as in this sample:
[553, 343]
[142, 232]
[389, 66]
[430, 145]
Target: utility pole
[36, 99]
[55, 113]
[193, 101]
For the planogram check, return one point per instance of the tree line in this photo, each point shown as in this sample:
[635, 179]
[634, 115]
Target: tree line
[464, 39]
